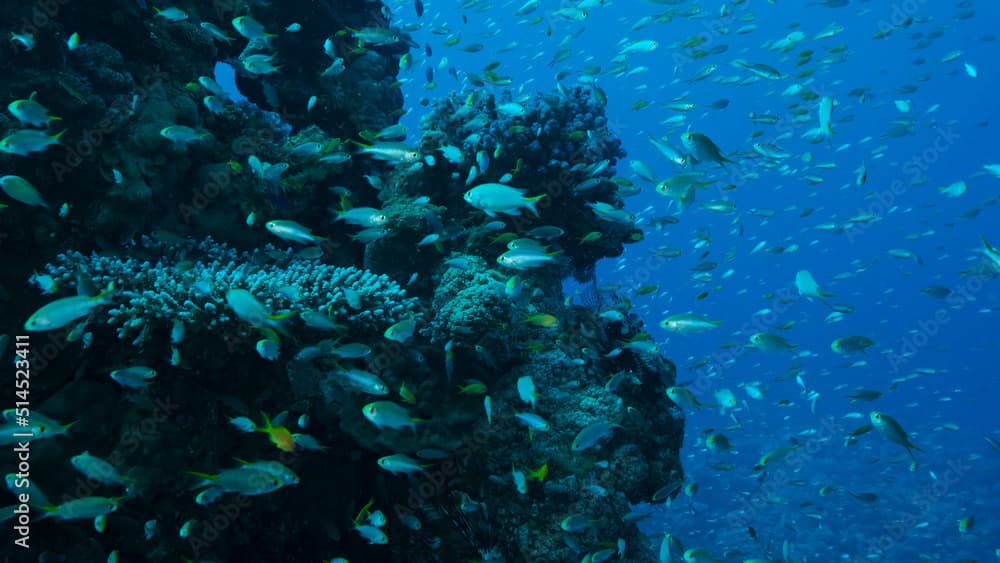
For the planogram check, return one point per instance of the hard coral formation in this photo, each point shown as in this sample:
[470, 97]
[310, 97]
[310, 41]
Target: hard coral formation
[188, 282]
[549, 145]
[470, 305]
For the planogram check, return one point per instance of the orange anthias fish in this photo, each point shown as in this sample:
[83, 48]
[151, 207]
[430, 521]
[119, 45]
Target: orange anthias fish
[279, 435]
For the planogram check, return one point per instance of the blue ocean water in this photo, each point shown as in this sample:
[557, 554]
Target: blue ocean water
[933, 358]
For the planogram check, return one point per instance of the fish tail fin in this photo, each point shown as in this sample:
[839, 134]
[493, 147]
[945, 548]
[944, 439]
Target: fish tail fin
[415, 421]
[267, 423]
[530, 203]
[57, 135]
[558, 257]
[364, 512]
[540, 473]
[269, 333]
[275, 326]
[103, 296]
[986, 244]
[363, 146]
[822, 293]
[54, 118]
[206, 476]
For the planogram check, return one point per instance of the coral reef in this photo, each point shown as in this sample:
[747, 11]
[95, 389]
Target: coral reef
[481, 326]
[552, 144]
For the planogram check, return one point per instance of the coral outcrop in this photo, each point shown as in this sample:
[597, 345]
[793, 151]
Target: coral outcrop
[488, 372]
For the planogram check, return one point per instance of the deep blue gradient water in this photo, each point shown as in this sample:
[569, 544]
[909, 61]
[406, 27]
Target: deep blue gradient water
[948, 346]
